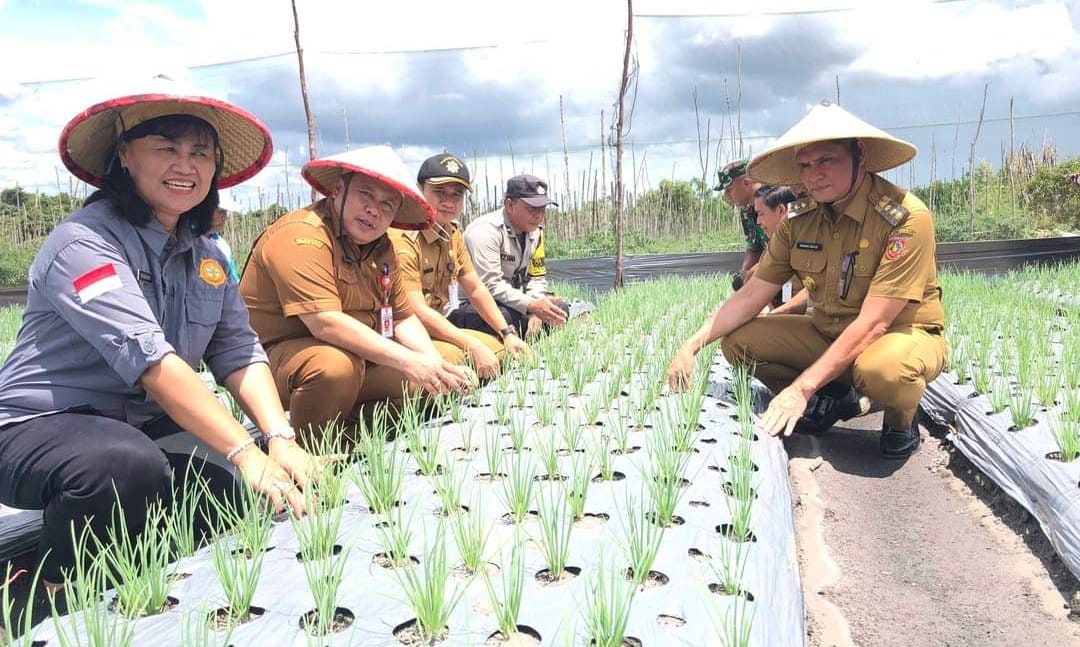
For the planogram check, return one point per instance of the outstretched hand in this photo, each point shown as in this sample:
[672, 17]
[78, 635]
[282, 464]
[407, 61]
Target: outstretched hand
[784, 412]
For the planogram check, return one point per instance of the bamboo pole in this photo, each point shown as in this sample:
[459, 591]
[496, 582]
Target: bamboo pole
[304, 93]
[623, 84]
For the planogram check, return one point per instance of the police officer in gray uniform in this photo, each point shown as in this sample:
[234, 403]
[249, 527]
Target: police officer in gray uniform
[507, 250]
[126, 298]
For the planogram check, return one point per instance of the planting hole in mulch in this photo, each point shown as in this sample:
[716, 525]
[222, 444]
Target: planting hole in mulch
[729, 489]
[437, 472]
[550, 477]
[716, 468]
[676, 520]
[682, 482]
[628, 641]
[592, 520]
[488, 477]
[566, 451]
[408, 633]
[640, 427]
[336, 550]
[444, 514]
[511, 450]
[395, 504]
[569, 573]
[670, 621]
[530, 515]
[464, 450]
[720, 589]
[699, 504]
[383, 560]
[310, 622]
[700, 556]
[114, 606]
[525, 636]
[463, 572]
[708, 441]
[627, 451]
[653, 580]
[728, 531]
[685, 450]
[1056, 456]
[178, 577]
[615, 476]
[246, 554]
[222, 617]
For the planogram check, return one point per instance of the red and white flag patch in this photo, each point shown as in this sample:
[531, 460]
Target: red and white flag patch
[96, 282]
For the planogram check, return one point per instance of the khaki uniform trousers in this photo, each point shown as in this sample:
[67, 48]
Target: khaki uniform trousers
[894, 370]
[319, 383]
[456, 354]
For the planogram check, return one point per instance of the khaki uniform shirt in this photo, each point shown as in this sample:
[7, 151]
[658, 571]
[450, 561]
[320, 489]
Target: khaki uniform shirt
[299, 265]
[893, 233]
[428, 263]
[514, 276]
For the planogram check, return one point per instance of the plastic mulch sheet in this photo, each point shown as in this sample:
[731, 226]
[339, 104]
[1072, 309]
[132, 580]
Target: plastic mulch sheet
[1017, 462]
[682, 611]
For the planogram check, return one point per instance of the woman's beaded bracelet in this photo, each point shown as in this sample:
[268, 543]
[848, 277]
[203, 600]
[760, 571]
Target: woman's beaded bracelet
[239, 448]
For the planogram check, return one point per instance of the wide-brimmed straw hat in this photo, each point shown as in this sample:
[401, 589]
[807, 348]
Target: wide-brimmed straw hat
[379, 163]
[88, 139]
[825, 122]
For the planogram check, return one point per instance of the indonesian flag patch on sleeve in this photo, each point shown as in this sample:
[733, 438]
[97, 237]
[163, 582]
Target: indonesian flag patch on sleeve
[96, 282]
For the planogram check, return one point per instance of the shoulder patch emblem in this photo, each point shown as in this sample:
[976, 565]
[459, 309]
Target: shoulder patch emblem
[801, 206]
[313, 242]
[211, 273]
[895, 247]
[892, 211]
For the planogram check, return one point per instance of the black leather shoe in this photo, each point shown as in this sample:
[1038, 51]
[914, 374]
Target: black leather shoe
[823, 411]
[899, 443]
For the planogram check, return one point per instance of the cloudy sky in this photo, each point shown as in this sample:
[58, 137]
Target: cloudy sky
[484, 78]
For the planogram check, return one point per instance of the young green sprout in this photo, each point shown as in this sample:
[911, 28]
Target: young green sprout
[381, 473]
[395, 536]
[549, 456]
[737, 622]
[518, 427]
[999, 394]
[23, 624]
[521, 392]
[592, 407]
[618, 430]
[238, 562]
[448, 486]
[137, 563]
[571, 430]
[317, 530]
[424, 448]
[518, 487]
[470, 535]
[1022, 407]
[501, 406]
[508, 606]
[607, 607]
[544, 409]
[578, 487]
[1067, 436]
[89, 621]
[640, 541]
[493, 454]
[197, 629]
[324, 577]
[427, 592]
[605, 460]
[556, 523]
[180, 523]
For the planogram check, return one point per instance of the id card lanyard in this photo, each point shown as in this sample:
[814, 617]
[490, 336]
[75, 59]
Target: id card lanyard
[454, 297]
[386, 312]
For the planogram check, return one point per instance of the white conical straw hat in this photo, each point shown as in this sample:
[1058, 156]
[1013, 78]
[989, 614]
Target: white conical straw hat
[824, 122]
[380, 163]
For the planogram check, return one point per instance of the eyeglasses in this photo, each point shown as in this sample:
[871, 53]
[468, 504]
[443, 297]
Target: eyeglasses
[847, 273]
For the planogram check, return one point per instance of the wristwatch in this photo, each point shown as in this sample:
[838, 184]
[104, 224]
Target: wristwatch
[283, 430]
[508, 330]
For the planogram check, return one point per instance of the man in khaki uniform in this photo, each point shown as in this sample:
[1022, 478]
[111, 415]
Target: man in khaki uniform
[325, 295]
[436, 270]
[865, 251]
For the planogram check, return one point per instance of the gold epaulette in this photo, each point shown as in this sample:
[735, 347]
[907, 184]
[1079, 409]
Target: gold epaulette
[801, 206]
[892, 211]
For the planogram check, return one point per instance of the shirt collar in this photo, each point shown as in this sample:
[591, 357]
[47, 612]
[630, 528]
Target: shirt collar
[860, 203]
[156, 238]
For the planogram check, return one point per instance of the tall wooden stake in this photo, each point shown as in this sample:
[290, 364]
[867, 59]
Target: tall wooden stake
[303, 91]
[619, 120]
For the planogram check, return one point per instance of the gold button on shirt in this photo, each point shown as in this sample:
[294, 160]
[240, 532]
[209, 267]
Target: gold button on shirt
[892, 261]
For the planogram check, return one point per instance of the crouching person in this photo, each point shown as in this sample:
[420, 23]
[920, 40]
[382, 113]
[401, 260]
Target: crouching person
[437, 272]
[326, 297]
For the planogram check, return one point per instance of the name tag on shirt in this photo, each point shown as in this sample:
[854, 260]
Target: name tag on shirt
[785, 292]
[453, 299]
[814, 247]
